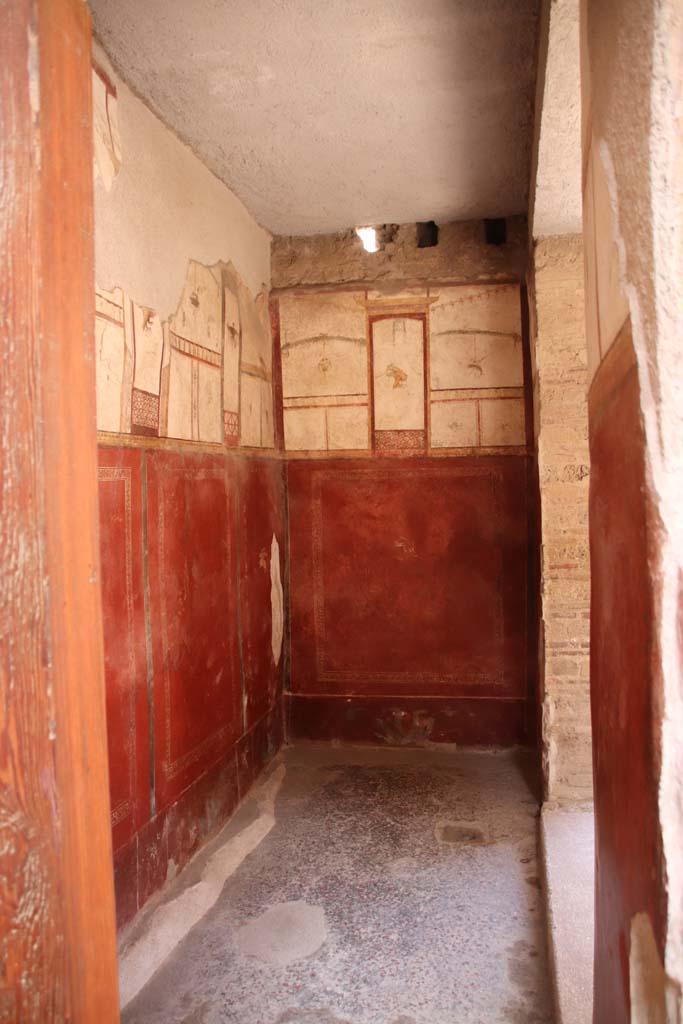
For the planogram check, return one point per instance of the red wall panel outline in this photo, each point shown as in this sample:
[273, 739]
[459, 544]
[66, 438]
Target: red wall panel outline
[392, 440]
[120, 502]
[193, 594]
[426, 592]
[204, 759]
[261, 507]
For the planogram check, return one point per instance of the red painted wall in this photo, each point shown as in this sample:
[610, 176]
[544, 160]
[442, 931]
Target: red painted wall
[629, 874]
[408, 599]
[193, 605]
[193, 692]
[125, 659]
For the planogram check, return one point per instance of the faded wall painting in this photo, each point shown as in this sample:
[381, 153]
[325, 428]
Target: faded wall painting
[204, 375]
[256, 372]
[115, 357]
[476, 368]
[398, 374]
[429, 368]
[193, 373]
[324, 372]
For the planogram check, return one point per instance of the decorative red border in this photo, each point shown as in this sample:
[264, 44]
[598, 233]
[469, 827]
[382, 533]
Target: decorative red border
[401, 440]
[118, 475]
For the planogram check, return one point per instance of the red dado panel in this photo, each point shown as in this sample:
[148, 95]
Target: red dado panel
[261, 491]
[193, 605]
[407, 721]
[629, 870]
[409, 577]
[125, 659]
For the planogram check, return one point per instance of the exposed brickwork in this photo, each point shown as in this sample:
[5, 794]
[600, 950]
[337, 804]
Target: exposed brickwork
[561, 421]
[461, 255]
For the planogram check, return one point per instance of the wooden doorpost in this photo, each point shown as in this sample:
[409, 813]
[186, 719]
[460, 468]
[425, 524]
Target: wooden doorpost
[57, 925]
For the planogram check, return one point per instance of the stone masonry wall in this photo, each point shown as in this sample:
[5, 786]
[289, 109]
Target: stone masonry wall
[560, 382]
[462, 254]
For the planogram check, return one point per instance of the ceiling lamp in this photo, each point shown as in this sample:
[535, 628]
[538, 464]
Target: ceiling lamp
[368, 237]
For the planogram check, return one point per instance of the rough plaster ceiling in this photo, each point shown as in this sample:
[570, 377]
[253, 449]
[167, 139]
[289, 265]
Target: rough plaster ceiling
[325, 115]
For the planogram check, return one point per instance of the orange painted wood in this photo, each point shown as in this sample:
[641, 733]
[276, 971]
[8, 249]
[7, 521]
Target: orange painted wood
[57, 933]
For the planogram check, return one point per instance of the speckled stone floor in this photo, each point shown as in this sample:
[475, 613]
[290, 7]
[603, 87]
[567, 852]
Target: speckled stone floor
[396, 887]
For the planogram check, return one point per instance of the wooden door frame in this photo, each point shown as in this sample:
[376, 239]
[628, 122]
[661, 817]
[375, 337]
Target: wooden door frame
[57, 919]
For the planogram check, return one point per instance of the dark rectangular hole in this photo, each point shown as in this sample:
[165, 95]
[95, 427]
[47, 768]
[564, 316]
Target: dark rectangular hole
[496, 230]
[427, 234]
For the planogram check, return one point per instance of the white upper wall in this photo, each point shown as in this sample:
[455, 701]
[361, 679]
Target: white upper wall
[164, 208]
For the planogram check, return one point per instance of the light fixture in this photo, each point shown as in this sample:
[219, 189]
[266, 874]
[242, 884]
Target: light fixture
[368, 237]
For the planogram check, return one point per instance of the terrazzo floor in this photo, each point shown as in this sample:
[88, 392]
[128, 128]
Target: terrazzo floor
[395, 887]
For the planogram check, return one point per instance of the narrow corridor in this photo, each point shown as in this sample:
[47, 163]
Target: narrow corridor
[395, 887]
[341, 670]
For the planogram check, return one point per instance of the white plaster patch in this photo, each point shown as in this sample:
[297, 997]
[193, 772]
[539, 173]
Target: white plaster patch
[171, 922]
[276, 602]
[284, 933]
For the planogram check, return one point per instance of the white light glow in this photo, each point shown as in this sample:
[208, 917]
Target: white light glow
[368, 237]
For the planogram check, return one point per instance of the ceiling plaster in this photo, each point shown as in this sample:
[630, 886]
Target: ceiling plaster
[322, 115]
